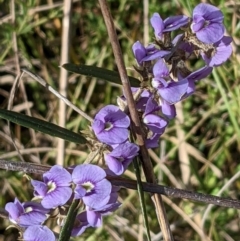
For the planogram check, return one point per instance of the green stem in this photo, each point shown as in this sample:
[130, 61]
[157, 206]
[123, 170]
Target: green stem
[71, 216]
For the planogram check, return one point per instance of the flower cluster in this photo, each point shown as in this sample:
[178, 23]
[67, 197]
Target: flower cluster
[110, 126]
[87, 182]
[166, 79]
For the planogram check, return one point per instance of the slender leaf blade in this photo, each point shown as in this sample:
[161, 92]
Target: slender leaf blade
[42, 126]
[101, 73]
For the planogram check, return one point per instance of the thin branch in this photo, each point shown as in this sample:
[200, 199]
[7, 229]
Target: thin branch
[63, 79]
[63, 98]
[146, 162]
[27, 167]
[19, 74]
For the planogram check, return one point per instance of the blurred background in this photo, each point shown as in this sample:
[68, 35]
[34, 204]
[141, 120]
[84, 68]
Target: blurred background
[200, 150]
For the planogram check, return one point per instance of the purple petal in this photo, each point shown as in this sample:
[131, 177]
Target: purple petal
[36, 207]
[114, 165]
[168, 110]
[160, 69]
[118, 119]
[40, 188]
[58, 175]
[211, 34]
[94, 219]
[151, 106]
[158, 54]
[200, 73]
[81, 224]
[109, 208]
[223, 52]
[105, 111]
[128, 150]
[153, 141]
[159, 83]
[173, 23]
[38, 233]
[207, 23]
[31, 218]
[208, 11]
[14, 210]
[79, 192]
[113, 136]
[174, 91]
[158, 25]
[57, 197]
[87, 172]
[139, 51]
[97, 199]
[98, 126]
[126, 163]
[191, 89]
[155, 123]
[199, 22]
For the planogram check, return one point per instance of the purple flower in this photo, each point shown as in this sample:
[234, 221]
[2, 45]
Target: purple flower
[81, 224]
[54, 190]
[110, 125]
[207, 23]
[170, 91]
[38, 233]
[188, 48]
[168, 110]
[93, 217]
[154, 122]
[27, 213]
[91, 185]
[119, 159]
[169, 24]
[221, 53]
[195, 76]
[152, 141]
[149, 53]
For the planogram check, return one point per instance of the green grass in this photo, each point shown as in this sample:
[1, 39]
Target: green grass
[211, 123]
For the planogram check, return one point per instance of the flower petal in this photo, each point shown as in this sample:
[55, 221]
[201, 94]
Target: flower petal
[87, 172]
[94, 218]
[113, 136]
[158, 25]
[174, 91]
[38, 233]
[31, 218]
[114, 165]
[56, 198]
[211, 33]
[98, 198]
[59, 175]
[40, 188]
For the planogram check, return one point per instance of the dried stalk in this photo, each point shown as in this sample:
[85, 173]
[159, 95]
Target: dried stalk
[146, 162]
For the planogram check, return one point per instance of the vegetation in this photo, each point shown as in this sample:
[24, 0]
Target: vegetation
[199, 151]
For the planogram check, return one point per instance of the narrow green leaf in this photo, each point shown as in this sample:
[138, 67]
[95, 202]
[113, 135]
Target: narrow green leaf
[101, 73]
[136, 164]
[42, 126]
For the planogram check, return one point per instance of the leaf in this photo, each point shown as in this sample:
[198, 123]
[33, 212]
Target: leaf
[42, 126]
[101, 73]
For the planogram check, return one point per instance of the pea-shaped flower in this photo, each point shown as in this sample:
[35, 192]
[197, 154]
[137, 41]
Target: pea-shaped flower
[119, 159]
[207, 23]
[110, 125]
[54, 190]
[91, 185]
[26, 213]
